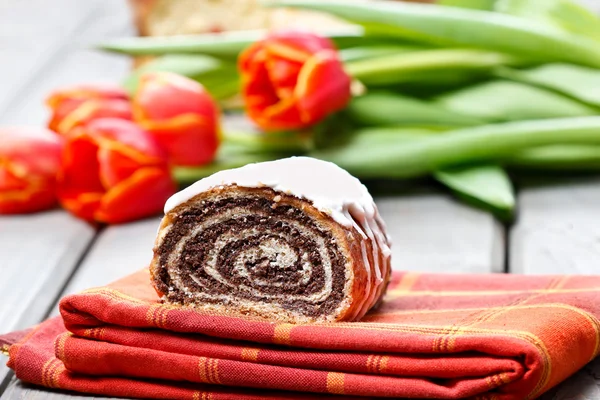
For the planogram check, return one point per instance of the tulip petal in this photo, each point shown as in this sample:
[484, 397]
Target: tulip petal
[142, 195]
[30, 200]
[34, 151]
[291, 44]
[115, 166]
[180, 115]
[103, 170]
[29, 162]
[82, 205]
[9, 178]
[94, 109]
[164, 95]
[60, 110]
[21, 192]
[323, 87]
[281, 116]
[85, 92]
[128, 138]
[259, 92]
[292, 80]
[287, 51]
[79, 185]
[190, 139]
[283, 75]
[257, 85]
[64, 101]
[80, 166]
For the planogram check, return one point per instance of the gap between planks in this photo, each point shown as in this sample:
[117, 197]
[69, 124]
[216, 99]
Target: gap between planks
[38, 274]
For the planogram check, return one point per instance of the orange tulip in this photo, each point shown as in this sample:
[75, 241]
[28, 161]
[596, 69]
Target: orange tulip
[113, 171]
[76, 106]
[180, 114]
[292, 80]
[29, 163]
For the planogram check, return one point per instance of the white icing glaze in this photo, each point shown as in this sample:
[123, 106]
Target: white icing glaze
[331, 190]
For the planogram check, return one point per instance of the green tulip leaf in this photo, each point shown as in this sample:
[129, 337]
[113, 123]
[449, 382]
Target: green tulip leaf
[394, 158]
[486, 185]
[425, 65]
[220, 78]
[456, 26]
[577, 19]
[538, 10]
[564, 14]
[476, 4]
[506, 101]
[579, 82]
[385, 108]
[222, 45]
[186, 176]
[365, 52]
[567, 157]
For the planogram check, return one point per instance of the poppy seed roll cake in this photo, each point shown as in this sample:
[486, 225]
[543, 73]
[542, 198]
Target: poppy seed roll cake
[293, 240]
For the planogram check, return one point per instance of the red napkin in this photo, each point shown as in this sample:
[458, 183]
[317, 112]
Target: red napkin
[434, 336]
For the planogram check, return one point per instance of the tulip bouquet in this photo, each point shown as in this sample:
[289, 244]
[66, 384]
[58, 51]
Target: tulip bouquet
[107, 157]
[409, 90]
[464, 92]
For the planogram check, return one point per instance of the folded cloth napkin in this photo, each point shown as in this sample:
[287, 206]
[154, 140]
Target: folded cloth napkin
[434, 336]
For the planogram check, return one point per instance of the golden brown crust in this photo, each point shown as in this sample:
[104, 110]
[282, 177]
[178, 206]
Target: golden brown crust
[361, 278]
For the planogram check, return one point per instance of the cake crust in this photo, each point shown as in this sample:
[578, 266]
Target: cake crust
[362, 286]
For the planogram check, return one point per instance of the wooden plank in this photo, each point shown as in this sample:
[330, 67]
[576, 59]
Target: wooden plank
[39, 253]
[435, 233]
[48, 47]
[73, 66]
[32, 33]
[79, 63]
[557, 231]
[23, 391]
[424, 229]
[118, 251]
[431, 231]
[412, 220]
[584, 385]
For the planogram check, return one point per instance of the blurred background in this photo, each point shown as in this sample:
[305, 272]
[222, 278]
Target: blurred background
[45, 46]
[534, 209]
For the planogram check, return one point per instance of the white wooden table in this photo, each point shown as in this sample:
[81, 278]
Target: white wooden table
[46, 44]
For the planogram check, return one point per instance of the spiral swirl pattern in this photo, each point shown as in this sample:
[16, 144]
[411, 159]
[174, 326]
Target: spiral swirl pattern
[251, 251]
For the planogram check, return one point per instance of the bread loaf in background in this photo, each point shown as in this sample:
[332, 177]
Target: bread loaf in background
[179, 17]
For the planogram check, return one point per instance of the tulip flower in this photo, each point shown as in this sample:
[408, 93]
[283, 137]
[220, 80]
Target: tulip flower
[76, 106]
[113, 171]
[180, 114]
[292, 80]
[29, 163]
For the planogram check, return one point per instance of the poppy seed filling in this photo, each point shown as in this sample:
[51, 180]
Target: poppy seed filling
[254, 249]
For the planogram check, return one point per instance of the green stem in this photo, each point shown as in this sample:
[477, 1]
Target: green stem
[354, 54]
[225, 45]
[557, 157]
[187, 175]
[459, 26]
[403, 159]
[260, 142]
[240, 148]
[398, 67]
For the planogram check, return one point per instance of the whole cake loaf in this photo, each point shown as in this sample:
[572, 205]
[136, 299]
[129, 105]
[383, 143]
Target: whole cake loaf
[294, 240]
